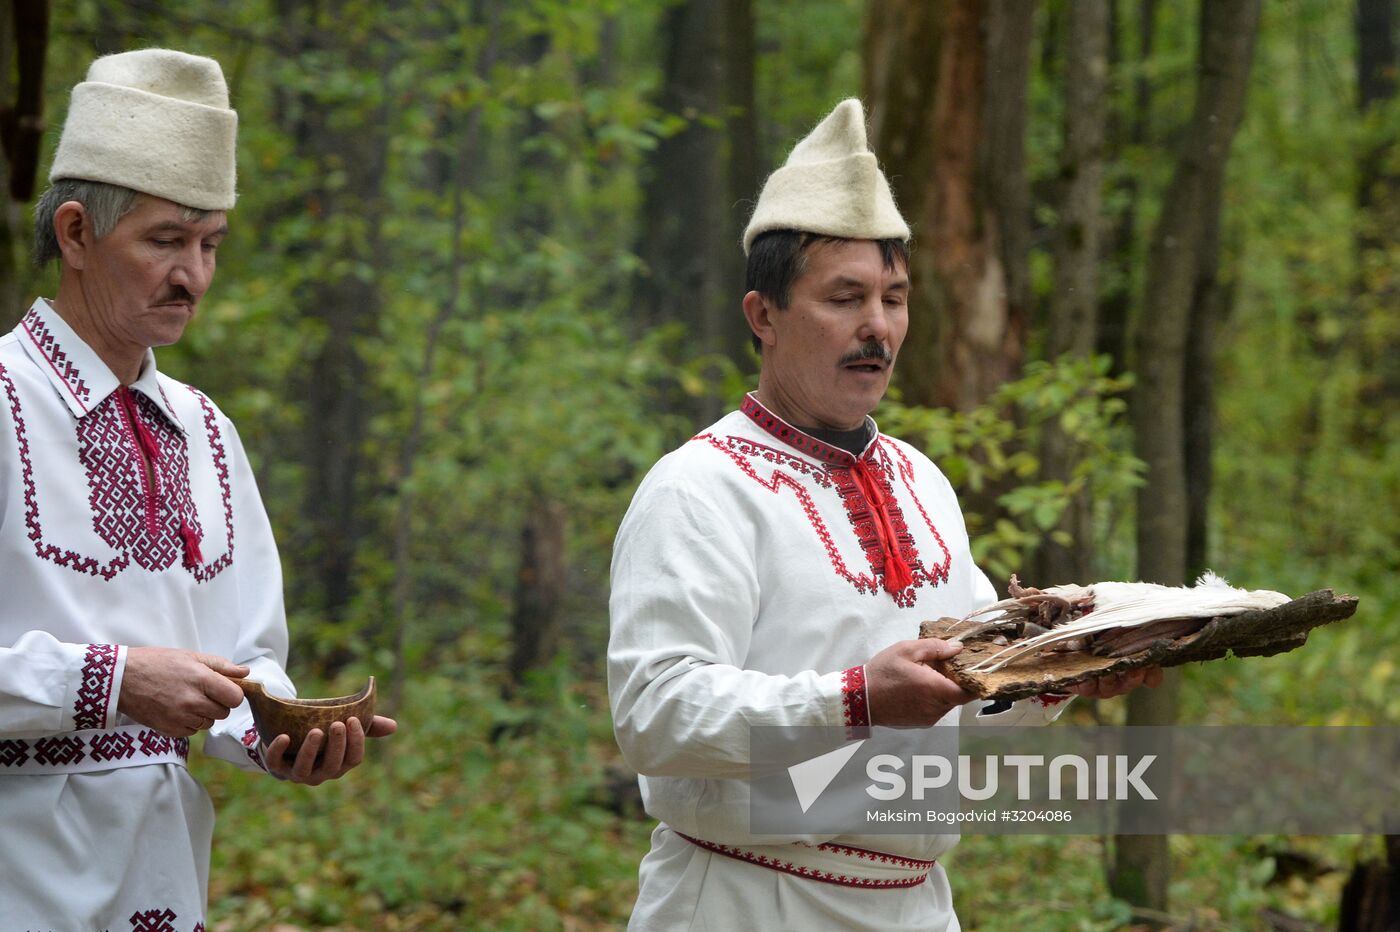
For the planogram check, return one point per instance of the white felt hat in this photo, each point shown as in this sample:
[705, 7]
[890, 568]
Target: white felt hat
[156, 121]
[831, 185]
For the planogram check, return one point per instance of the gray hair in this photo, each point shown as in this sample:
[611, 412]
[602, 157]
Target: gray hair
[105, 204]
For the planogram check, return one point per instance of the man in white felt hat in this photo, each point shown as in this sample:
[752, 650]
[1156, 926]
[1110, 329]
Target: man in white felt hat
[138, 567]
[763, 563]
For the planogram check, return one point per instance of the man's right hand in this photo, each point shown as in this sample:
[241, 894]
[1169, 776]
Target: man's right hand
[178, 692]
[902, 690]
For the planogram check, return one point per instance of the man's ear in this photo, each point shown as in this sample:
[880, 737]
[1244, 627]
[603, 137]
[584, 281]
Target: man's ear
[759, 313]
[73, 229]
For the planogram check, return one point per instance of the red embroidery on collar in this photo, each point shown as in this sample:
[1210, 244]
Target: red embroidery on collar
[792, 436]
[130, 513]
[742, 451]
[123, 513]
[47, 344]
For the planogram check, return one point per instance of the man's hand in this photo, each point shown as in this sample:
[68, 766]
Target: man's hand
[178, 692]
[903, 690]
[1106, 687]
[345, 748]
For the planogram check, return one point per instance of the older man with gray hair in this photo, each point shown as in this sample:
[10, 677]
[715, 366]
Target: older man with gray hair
[139, 569]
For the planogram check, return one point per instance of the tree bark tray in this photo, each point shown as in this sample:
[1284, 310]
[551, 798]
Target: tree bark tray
[1249, 634]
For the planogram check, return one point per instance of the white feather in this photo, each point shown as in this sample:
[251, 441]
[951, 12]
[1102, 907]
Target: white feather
[1128, 605]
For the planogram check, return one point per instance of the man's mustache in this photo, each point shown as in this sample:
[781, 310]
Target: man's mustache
[176, 295]
[871, 350]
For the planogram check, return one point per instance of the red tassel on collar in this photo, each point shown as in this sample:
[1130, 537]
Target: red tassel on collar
[898, 575]
[193, 557]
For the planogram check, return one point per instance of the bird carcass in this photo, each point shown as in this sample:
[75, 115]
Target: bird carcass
[1045, 640]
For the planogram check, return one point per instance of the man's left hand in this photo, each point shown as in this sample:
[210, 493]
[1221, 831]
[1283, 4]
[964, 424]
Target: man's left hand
[1106, 687]
[344, 749]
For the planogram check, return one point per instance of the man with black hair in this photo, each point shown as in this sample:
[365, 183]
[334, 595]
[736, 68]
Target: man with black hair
[772, 570]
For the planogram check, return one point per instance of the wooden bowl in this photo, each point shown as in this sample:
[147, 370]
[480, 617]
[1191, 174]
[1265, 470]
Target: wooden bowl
[297, 717]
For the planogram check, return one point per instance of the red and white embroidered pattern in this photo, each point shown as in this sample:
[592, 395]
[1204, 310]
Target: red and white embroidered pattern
[792, 436]
[59, 750]
[250, 747]
[47, 344]
[129, 513]
[153, 920]
[139, 523]
[208, 571]
[812, 873]
[95, 693]
[854, 701]
[44, 550]
[878, 857]
[863, 519]
[64, 750]
[742, 452]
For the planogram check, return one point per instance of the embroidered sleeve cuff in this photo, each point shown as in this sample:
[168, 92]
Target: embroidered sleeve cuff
[97, 686]
[252, 744]
[1049, 706]
[855, 701]
[118, 675]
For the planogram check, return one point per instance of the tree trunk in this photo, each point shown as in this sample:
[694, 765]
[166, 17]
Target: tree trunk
[950, 130]
[1190, 213]
[350, 157]
[1075, 252]
[1210, 302]
[24, 38]
[1114, 311]
[1371, 897]
[692, 224]
[1378, 199]
[1371, 901]
[743, 157]
[539, 587]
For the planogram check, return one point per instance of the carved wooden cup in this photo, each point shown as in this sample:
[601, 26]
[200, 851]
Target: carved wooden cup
[297, 717]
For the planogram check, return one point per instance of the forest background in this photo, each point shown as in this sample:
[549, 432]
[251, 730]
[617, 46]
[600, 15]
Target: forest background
[484, 271]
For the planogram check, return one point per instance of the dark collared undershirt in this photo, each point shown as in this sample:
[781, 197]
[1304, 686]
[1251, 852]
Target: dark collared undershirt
[853, 442]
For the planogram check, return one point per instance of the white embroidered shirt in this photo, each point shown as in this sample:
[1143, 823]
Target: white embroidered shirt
[99, 554]
[749, 587]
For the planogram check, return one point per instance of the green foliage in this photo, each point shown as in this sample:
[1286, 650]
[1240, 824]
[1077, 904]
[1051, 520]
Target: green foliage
[506, 208]
[992, 449]
[487, 814]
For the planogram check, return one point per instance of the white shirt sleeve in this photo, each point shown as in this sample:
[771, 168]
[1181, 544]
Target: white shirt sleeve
[684, 600]
[48, 686]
